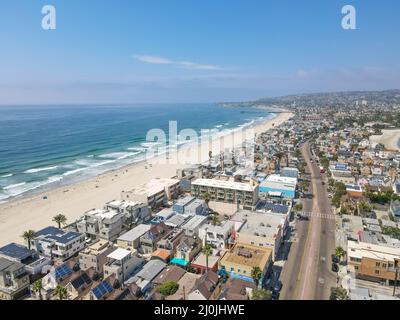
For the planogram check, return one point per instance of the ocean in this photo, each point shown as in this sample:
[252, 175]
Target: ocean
[44, 147]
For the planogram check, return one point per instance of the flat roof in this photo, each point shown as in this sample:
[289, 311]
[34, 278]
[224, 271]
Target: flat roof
[281, 179]
[135, 233]
[368, 250]
[232, 185]
[247, 255]
[119, 254]
[16, 251]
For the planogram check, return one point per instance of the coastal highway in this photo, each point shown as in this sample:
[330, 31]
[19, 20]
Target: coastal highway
[307, 272]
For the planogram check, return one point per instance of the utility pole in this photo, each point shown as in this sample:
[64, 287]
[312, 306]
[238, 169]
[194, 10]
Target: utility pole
[396, 266]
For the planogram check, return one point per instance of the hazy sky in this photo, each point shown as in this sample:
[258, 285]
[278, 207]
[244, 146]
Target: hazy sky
[193, 50]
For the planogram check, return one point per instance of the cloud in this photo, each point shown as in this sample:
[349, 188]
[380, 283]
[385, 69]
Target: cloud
[180, 63]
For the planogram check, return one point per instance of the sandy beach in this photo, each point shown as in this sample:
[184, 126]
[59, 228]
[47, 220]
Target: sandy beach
[35, 212]
[389, 138]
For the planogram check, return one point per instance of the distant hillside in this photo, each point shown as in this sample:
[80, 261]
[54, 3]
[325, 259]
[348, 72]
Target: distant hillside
[387, 97]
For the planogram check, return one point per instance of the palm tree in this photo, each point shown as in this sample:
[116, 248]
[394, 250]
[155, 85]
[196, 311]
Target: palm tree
[61, 292]
[339, 252]
[207, 251]
[214, 219]
[37, 288]
[207, 198]
[256, 274]
[60, 219]
[28, 236]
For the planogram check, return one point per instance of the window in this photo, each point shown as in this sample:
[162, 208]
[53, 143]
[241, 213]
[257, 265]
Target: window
[384, 265]
[232, 269]
[376, 271]
[378, 264]
[356, 268]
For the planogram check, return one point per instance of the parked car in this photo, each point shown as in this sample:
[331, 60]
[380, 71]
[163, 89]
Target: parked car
[335, 259]
[277, 286]
[275, 295]
[335, 267]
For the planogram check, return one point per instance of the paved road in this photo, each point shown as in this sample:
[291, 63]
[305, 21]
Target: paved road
[307, 273]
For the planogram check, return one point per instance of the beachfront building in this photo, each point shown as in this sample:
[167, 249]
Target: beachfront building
[57, 243]
[155, 193]
[243, 194]
[95, 255]
[134, 212]
[373, 262]
[123, 264]
[278, 186]
[239, 261]
[131, 239]
[14, 280]
[261, 229]
[101, 224]
[34, 264]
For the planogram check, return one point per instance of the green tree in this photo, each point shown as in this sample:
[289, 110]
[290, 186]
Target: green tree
[61, 292]
[168, 288]
[339, 252]
[28, 236]
[37, 288]
[207, 251]
[298, 207]
[261, 294]
[338, 293]
[60, 219]
[207, 198]
[256, 274]
[214, 218]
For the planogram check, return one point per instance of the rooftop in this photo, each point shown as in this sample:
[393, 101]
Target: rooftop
[119, 254]
[225, 184]
[135, 233]
[247, 255]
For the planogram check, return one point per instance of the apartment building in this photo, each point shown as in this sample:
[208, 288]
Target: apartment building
[95, 255]
[57, 243]
[148, 241]
[154, 193]
[239, 261]
[34, 264]
[103, 224]
[14, 280]
[171, 240]
[217, 236]
[243, 194]
[123, 264]
[373, 262]
[135, 212]
[131, 239]
[261, 229]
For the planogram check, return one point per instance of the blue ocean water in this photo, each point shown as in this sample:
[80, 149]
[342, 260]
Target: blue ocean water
[43, 147]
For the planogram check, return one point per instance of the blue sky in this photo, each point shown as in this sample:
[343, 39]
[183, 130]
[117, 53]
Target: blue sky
[127, 51]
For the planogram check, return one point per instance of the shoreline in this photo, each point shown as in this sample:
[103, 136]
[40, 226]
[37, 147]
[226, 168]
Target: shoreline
[73, 200]
[390, 138]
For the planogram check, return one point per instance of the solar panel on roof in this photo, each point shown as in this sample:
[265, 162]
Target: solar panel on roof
[62, 271]
[102, 289]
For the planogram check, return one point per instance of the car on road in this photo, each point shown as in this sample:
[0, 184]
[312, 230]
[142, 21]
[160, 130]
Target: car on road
[275, 295]
[323, 183]
[278, 286]
[335, 267]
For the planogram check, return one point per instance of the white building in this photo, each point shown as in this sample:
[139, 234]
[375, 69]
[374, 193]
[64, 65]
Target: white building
[217, 236]
[244, 194]
[102, 224]
[57, 243]
[154, 193]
